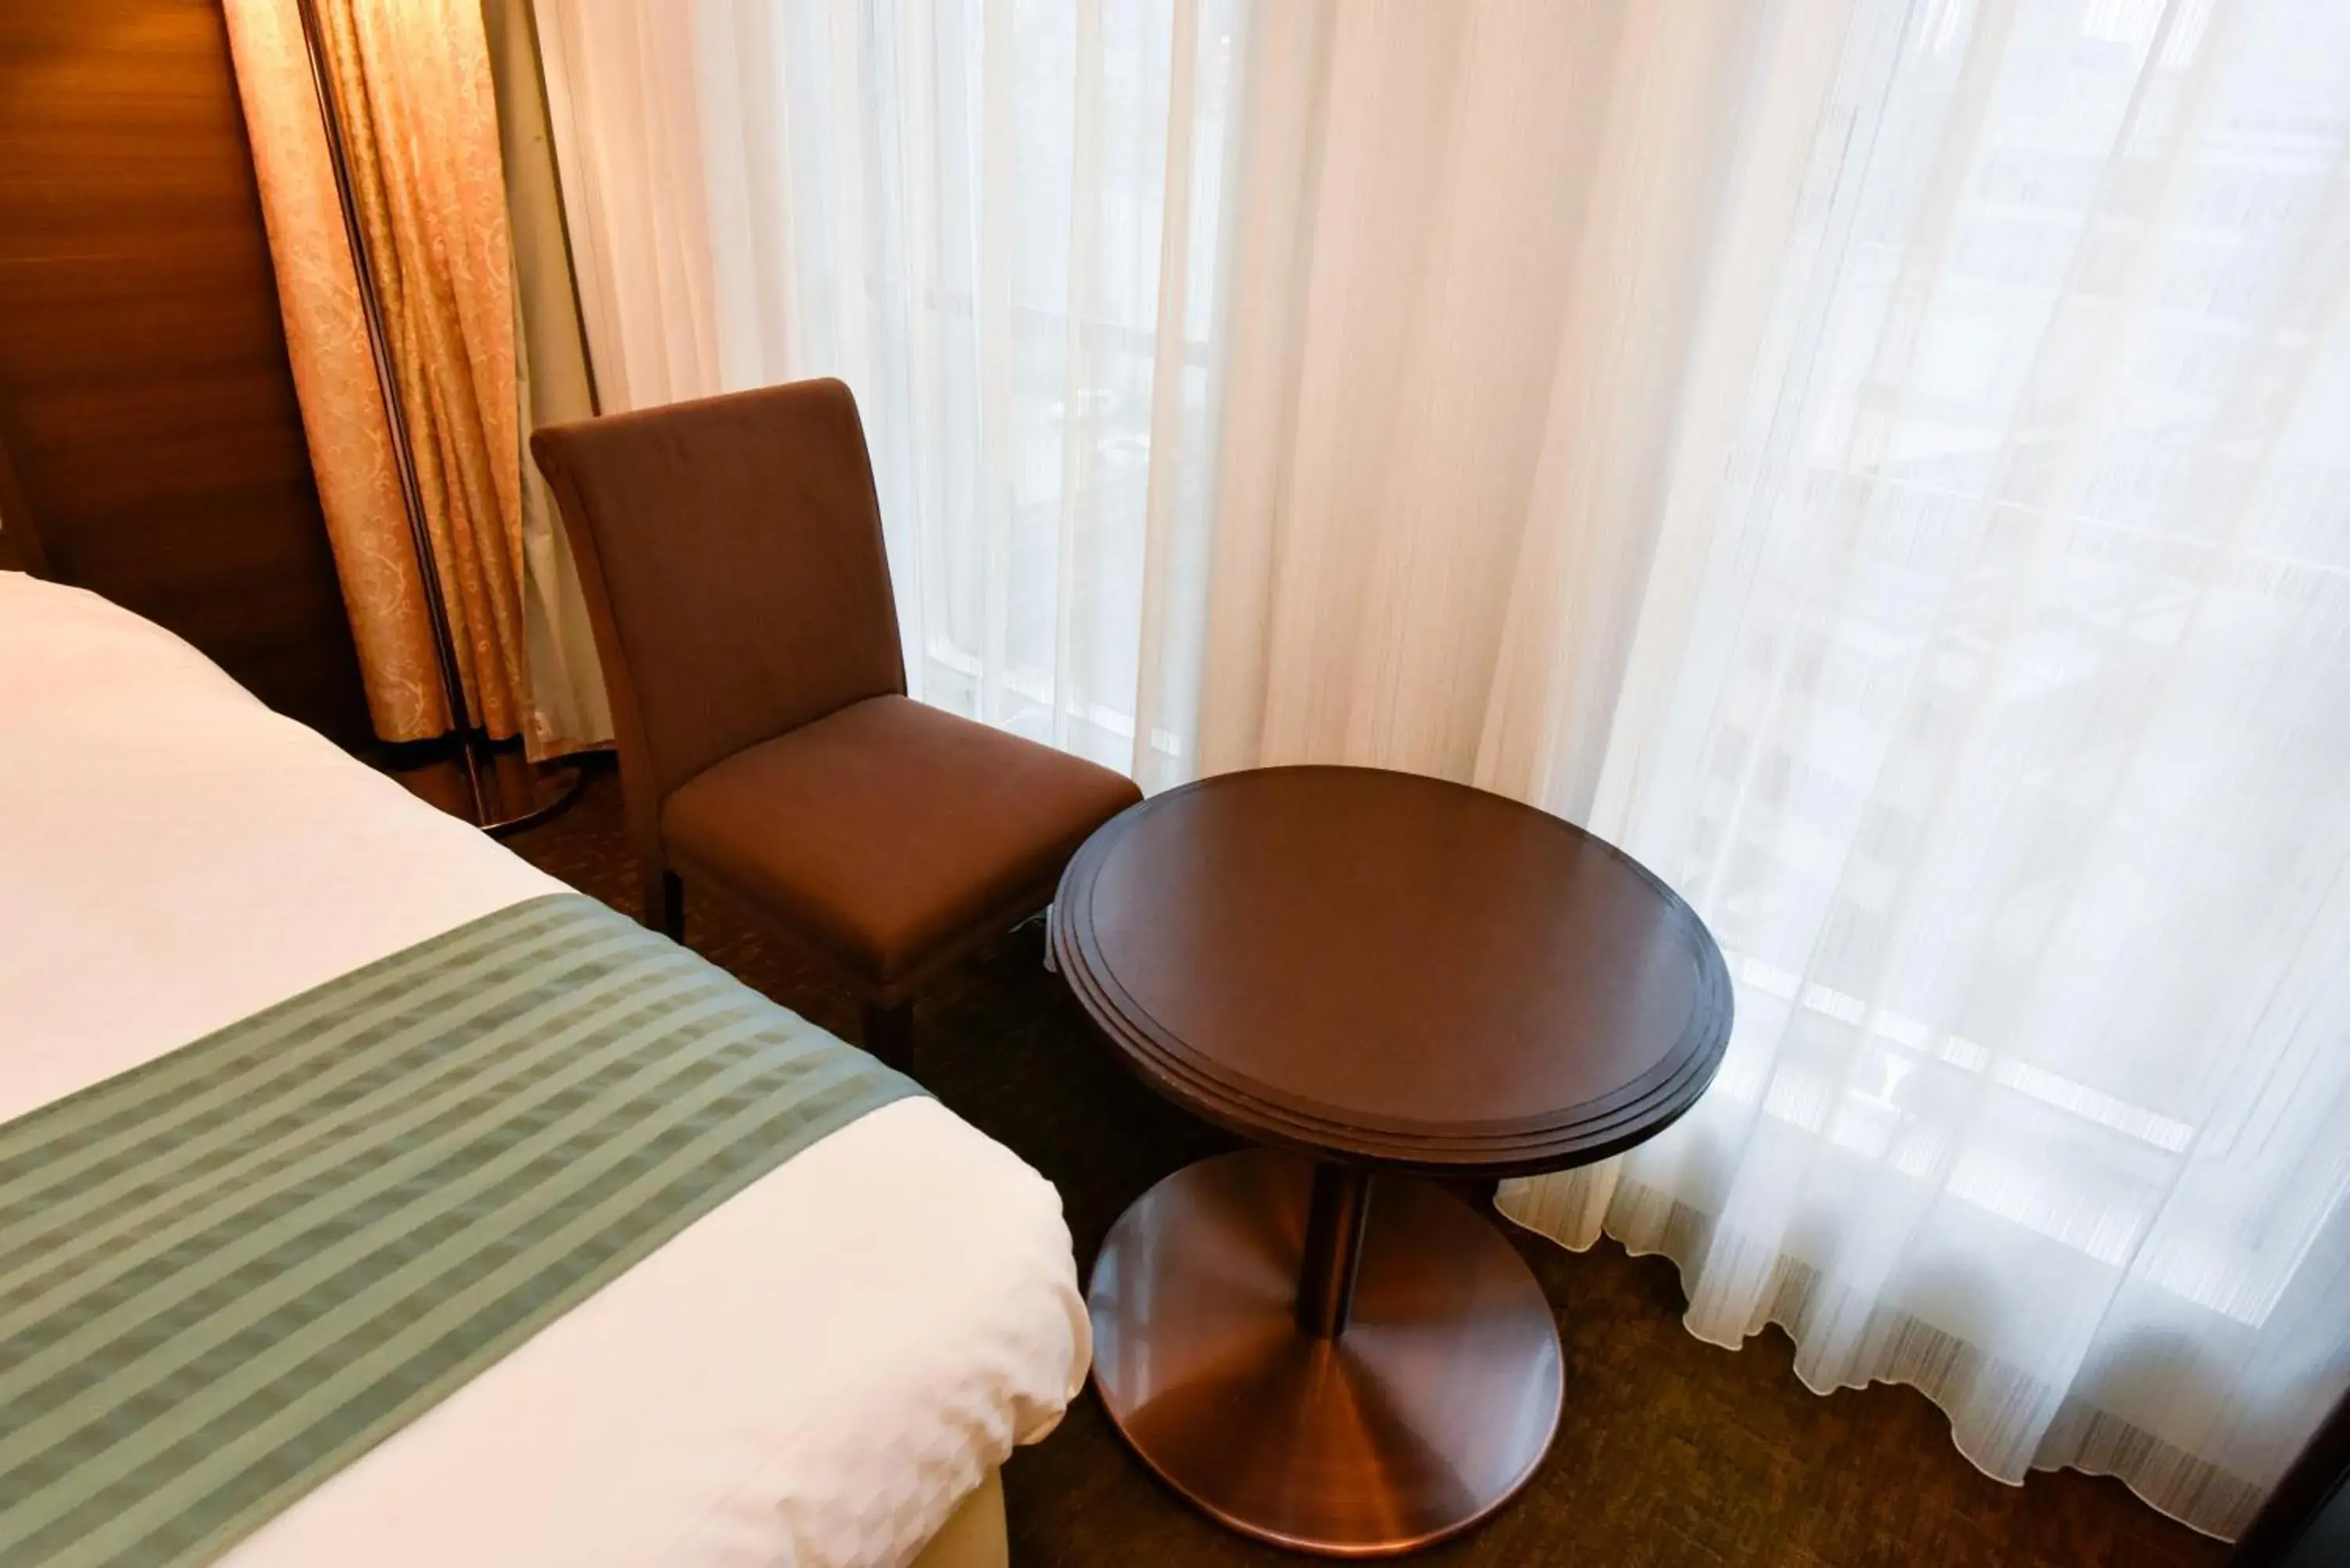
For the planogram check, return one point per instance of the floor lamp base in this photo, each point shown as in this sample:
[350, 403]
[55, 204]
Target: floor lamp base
[513, 794]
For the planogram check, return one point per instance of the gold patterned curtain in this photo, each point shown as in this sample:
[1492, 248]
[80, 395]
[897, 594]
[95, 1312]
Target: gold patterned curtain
[412, 84]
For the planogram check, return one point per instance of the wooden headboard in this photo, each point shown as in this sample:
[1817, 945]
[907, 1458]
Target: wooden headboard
[145, 400]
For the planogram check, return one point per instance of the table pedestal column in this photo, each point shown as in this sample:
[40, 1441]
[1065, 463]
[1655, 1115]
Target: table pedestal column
[1337, 1207]
[1324, 1364]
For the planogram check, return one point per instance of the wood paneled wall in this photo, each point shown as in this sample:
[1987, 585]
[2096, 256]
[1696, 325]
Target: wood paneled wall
[145, 398]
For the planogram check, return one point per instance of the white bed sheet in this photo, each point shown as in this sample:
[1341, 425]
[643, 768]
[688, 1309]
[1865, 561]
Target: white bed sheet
[173, 857]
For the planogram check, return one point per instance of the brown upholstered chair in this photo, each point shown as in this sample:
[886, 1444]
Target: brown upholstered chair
[731, 550]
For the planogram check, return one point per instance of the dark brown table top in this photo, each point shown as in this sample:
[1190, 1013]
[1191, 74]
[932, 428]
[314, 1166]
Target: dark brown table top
[1393, 969]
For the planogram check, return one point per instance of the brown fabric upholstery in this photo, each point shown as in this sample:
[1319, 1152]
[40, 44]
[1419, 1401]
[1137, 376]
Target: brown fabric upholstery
[731, 551]
[888, 829]
[737, 545]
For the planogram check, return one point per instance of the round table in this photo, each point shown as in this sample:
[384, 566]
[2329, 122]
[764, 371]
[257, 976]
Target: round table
[1379, 978]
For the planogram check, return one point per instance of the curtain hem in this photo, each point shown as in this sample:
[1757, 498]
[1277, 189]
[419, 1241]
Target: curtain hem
[1686, 1224]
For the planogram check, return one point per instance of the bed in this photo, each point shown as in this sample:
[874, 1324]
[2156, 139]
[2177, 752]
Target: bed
[826, 1368]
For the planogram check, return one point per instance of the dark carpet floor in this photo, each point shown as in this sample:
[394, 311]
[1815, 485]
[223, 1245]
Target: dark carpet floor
[1671, 1451]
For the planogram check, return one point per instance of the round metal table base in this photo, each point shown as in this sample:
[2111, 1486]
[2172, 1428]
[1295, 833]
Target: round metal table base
[1427, 1412]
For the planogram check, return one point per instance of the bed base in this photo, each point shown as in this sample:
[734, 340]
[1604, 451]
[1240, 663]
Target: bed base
[974, 1534]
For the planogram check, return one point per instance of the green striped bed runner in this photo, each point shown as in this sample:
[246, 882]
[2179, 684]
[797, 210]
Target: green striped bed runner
[228, 1273]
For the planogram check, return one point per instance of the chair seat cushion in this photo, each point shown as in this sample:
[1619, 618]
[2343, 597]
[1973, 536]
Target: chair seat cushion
[888, 830]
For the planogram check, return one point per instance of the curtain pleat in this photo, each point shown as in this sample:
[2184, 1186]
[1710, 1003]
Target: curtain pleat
[420, 128]
[1460, 345]
[568, 709]
[343, 417]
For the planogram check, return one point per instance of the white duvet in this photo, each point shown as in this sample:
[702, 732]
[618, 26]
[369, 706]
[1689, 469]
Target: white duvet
[815, 1373]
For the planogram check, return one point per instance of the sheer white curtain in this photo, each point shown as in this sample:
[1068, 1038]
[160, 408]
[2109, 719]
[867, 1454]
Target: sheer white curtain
[1000, 225]
[1887, 462]
[1475, 245]
[1990, 699]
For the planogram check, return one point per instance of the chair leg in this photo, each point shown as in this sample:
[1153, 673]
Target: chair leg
[889, 1032]
[665, 903]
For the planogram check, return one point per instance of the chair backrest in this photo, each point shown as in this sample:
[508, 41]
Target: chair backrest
[731, 552]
